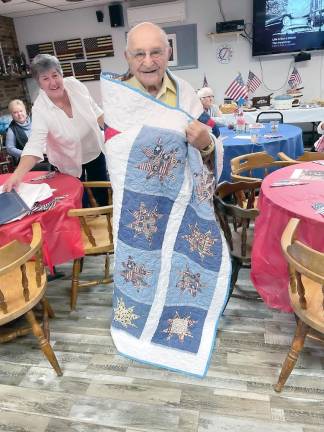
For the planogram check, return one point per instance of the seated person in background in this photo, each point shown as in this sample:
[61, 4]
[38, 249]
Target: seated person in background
[19, 129]
[206, 96]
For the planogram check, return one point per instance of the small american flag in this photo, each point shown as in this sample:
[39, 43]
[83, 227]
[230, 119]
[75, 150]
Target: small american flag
[87, 71]
[42, 48]
[253, 82]
[237, 89]
[101, 46]
[294, 79]
[205, 83]
[69, 49]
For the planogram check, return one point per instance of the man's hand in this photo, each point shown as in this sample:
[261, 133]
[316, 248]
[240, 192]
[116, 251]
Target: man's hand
[198, 135]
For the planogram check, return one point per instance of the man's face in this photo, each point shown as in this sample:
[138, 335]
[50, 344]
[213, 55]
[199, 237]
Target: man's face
[52, 84]
[147, 57]
[207, 101]
[18, 113]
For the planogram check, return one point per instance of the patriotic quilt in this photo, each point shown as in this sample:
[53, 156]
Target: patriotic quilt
[172, 267]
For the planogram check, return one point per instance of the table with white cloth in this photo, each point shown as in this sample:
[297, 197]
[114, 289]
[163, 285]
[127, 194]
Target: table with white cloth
[289, 141]
[293, 115]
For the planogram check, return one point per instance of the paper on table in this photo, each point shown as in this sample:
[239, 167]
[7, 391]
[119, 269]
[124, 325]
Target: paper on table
[247, 137]
[31, 193]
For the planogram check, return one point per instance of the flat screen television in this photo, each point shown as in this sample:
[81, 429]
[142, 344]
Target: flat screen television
[285, 26]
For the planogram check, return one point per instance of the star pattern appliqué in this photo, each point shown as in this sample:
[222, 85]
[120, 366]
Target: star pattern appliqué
[145, 221]
[135, 273]
[160, 163]
[189, 282]
[200, 242]
[178, 326]
[205, 186]
[125, 316]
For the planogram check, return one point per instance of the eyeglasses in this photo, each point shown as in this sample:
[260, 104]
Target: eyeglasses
[155, 54]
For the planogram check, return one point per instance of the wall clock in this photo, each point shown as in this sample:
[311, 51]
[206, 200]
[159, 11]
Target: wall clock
[224, 53]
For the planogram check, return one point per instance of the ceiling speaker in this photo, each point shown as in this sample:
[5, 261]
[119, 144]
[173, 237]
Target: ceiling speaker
[116, 15]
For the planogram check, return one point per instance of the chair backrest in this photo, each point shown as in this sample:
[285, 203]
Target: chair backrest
[267, 116]
[22, 276]
[305, 157]
[234, 205]
[244, 166]
[90, 185]
[306, 268]
[96, 224]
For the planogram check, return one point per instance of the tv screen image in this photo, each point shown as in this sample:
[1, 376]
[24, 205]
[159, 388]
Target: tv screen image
[284, 26]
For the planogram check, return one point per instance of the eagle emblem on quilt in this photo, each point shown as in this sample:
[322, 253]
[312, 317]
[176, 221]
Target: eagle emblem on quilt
[172, 266]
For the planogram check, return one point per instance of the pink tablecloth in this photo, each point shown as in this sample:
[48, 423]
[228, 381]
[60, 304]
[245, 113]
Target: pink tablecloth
[269, 271]
[61, 234]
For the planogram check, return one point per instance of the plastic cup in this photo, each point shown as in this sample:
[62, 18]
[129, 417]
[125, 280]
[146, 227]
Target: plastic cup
[254, 137]
[274, 125]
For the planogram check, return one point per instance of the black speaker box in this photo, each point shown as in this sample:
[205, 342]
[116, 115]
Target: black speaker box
[100, 16]
[116, 15]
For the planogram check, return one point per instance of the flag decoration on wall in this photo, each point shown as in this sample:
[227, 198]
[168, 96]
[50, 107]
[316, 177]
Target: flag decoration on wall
[253, 82]
[67, 69]
[87, 71]
[42, 48]
[237, 89]
[71, 49]
[101, 46]
[294, 79]
[205, 83]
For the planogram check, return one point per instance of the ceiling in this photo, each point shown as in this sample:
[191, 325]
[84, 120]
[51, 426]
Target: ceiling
[23, 8]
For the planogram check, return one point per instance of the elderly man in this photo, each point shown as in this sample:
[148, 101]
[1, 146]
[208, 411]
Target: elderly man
[147, 53]
[171, 264]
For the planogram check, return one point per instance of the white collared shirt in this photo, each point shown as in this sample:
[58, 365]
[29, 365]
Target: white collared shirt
[69, 142]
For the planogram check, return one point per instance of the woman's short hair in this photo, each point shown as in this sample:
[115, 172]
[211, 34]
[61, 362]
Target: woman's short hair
[43, 63]
[15, 102]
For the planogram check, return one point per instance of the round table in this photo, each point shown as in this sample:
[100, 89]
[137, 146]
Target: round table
[62, 240]
[269, 270]
[290, 142]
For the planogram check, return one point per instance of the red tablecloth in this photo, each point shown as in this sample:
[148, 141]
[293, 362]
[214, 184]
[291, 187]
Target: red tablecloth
[61, 234]
[269, 271]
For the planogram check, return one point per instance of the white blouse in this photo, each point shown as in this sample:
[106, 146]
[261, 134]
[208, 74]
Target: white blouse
[69, 142]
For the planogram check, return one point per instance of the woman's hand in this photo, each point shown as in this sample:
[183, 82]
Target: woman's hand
[12, 182]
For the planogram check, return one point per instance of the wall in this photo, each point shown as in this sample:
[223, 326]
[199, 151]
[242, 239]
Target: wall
[9, 88]
[83, 23]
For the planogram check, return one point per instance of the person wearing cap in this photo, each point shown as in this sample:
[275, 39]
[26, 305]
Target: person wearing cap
[206, 96]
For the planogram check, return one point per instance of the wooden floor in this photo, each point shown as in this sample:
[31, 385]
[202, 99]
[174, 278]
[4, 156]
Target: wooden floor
[101, 391]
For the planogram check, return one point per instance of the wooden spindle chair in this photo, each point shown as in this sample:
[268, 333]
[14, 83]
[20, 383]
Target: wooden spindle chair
[243, 167]
[22, 288]
[307, 156]
[306, 292]
[235, 209]
[97, 235]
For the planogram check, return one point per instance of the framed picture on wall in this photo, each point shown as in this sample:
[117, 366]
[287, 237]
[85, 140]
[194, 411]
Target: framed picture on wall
[172, 38]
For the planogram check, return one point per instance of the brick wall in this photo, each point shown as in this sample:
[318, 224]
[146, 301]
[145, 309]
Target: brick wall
[13, 87]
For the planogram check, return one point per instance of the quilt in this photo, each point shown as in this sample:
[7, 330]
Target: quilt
[172, 267]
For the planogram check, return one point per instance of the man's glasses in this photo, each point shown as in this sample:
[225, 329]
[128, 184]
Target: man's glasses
[155, 54]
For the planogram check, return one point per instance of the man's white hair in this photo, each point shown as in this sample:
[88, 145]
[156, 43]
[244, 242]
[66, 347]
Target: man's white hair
[164, 36]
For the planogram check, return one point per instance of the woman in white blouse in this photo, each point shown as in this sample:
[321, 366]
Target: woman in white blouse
[68, 121]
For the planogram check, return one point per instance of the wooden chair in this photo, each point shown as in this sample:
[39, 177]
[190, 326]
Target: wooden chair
[242, 167]
[96, 225]
[308, 156]
[22, 288]
[234, 205]
[306, 292]
[90, 185]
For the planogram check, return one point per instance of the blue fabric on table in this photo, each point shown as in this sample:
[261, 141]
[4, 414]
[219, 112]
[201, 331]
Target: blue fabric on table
[290, 143]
